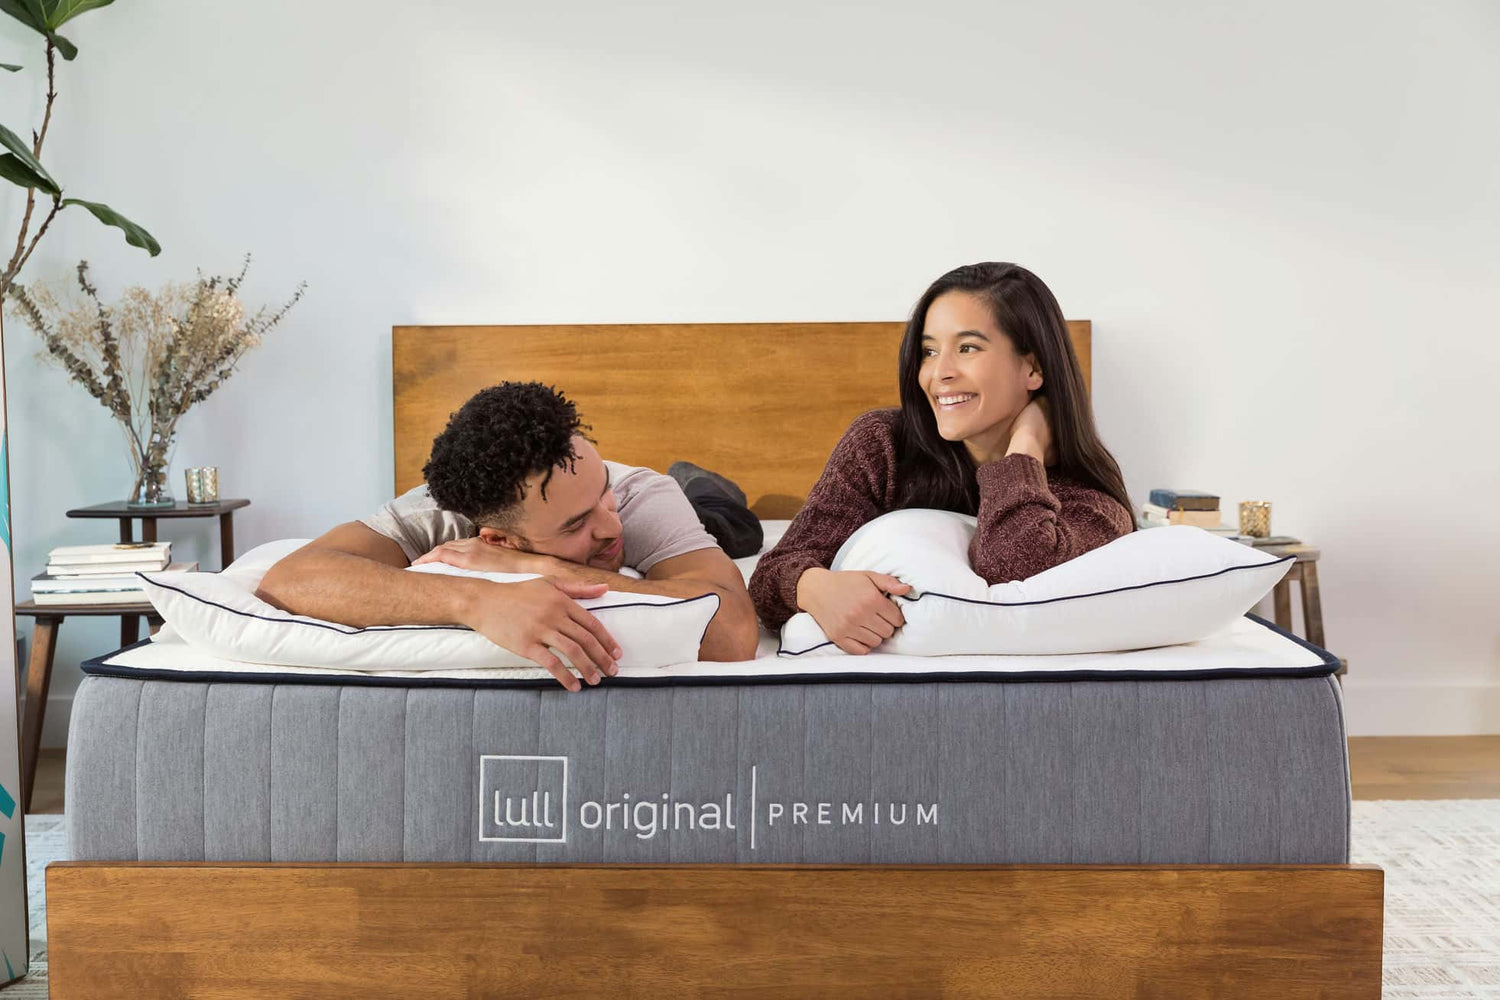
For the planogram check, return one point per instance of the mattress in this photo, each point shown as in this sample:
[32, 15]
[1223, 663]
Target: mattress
[1251, 647]
[1231, 750]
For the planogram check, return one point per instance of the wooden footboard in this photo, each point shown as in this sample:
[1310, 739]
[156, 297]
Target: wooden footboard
[490, 930]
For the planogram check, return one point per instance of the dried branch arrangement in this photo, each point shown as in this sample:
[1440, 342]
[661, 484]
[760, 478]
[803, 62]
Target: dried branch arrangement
[151, 356]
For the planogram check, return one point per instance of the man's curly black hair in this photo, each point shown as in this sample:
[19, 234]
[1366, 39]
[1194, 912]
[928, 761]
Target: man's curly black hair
[494, 443]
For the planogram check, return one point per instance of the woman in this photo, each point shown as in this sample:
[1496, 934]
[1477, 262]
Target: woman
[994, 421]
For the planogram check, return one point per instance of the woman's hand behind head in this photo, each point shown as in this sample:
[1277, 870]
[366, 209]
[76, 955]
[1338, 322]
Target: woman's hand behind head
[1032, 433]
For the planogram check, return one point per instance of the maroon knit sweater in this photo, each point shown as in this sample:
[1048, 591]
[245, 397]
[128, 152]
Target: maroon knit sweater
[1026, 522]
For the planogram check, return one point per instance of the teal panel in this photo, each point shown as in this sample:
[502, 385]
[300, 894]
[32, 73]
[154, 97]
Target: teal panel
[4, 496]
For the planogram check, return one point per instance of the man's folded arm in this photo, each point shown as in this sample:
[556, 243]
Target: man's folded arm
[353, 575]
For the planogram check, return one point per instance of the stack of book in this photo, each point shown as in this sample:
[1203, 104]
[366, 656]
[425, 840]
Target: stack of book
[102, 574]
[1194, 507]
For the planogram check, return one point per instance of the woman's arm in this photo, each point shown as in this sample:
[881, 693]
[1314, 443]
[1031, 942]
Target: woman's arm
[1025, 526]
[850, 492]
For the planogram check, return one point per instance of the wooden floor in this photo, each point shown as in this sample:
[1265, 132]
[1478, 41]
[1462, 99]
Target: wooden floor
[1382, 767]
[48, 797]
[1425, 767]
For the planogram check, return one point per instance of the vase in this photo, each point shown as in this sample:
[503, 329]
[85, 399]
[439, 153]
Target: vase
[150, 462]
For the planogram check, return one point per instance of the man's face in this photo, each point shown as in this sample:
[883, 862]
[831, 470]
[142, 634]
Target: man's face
[577, 521]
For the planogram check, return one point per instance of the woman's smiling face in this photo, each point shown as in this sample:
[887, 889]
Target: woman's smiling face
[971, 374]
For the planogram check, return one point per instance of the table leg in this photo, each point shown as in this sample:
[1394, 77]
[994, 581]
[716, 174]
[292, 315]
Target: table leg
[1281, 599]
[127, 531]
[38, 680]
[130, 629]
[148, 529]
[153, 623]
[226, 539]
[1312, 604]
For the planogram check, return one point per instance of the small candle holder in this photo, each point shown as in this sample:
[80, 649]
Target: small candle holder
[1255, 518]
[202, 484]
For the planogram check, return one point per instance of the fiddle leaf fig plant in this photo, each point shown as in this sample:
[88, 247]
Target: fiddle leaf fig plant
[21, 164]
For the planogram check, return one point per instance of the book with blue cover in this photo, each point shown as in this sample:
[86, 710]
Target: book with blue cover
[1184, 499]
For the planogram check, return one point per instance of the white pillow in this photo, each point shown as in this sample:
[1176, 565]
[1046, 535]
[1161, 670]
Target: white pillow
[220, 614]
[1155, 587]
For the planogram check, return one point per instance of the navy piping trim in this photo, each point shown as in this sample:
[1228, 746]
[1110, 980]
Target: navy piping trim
[783, 651]
[1329, 660]
[352, 630]
[717, 605]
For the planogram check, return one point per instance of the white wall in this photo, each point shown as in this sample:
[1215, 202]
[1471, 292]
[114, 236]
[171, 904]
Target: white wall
[1284, 222]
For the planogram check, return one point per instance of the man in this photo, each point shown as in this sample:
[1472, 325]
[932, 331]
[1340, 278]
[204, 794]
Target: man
[514, 486]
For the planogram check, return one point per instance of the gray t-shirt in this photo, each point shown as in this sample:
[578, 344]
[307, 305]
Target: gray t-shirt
[655, 518]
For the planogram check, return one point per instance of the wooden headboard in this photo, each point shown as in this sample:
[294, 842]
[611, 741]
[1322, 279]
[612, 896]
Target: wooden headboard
[761, 403]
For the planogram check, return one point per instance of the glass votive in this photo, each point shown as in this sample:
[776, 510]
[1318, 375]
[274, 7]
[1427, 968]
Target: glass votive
[1255, 518]
[202, 484]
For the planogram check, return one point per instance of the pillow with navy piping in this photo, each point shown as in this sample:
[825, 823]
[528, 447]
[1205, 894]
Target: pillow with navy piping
[219, 614]
[1154, 587]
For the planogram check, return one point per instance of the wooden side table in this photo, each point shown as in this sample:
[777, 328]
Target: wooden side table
[119, 510]
[49, 619]
[1304, 572]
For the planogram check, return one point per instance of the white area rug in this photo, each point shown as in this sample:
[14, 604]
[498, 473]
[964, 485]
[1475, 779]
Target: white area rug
[1442, 895]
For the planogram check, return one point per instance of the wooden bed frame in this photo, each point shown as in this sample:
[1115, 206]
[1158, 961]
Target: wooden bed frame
[763, 404]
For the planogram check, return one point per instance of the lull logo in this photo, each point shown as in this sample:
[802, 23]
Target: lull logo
[523, 798]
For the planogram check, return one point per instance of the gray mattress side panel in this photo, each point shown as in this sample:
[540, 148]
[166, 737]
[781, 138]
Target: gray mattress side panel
[237, 772]
[438, 729]
[1174, 747]
[169, 753]
[100, 794]
[371, 774]
[703, 762]
[972, 753]
[905, 749]
[1233, 771]
[577, 728]
[304, 773]
[837, 769]
[772, 754]
[506, 725]
[1106, 801]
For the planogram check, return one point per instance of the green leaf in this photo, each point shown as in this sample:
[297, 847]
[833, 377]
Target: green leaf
[18, 173]
[36, 16]
[68, 49]
[21, 12]
[13, 69]
[60, 12]
[134, 234]
[13, 142]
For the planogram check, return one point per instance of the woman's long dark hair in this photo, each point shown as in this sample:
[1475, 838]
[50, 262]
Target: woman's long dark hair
[938, 473]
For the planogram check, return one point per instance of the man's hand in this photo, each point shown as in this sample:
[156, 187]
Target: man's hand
[852, 608]
[486, 557]
[529, 617]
